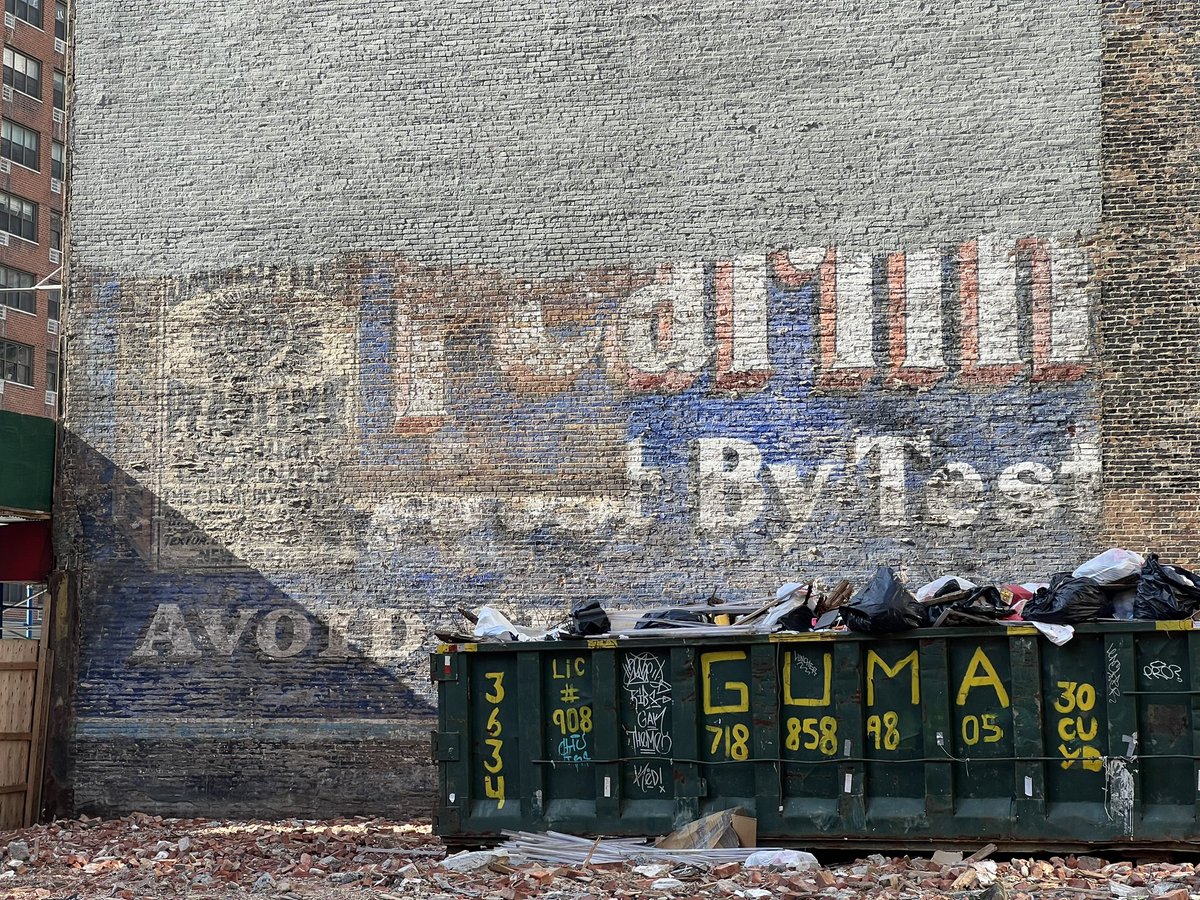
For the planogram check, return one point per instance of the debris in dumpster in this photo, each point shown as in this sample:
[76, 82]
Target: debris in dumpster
[840, 594]
[1111, 566]
[944, 585]
[491, 623]
[1068, 601]
[884, 606]
[1165, 592]
[588, 619]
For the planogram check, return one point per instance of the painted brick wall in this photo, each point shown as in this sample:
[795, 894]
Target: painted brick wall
[376, 314]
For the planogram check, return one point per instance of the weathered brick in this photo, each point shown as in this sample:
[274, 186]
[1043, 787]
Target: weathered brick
[375, 316]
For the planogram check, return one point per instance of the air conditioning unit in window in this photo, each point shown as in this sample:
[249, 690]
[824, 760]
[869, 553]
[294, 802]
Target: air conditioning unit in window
[57, 116]
[52, 326]
[3, 238]
[10, 20]
[51, 397]
[55, 256]
[1, 386]
[3, 313]
[7, 94]
[55, 186]
[60, 46]
[5, 166]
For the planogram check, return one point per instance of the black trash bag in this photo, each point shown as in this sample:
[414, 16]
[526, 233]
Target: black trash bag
[884, 606]
[799, 619]
[1068, 601]
[950, 587]
[1165, 592]
[588, 619]
[664, 618]
[985, 602]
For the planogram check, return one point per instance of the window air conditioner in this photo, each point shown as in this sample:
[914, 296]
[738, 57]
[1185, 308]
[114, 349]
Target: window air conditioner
[52, 326]
[51, 397]
[3, 238]
[5, 166]
[10, 20]
[7, 94]
[60, 46]
[57, 116]
[55, 256]
[3, 313]
[55, 186]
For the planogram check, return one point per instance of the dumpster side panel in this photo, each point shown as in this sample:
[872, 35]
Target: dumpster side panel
[933, 736]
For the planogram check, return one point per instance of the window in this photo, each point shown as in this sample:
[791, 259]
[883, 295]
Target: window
[60, 90]
[58, 156]
[53, 304]
[22, 73]
[55, 231]
[20, 144]
[60, 21]
[24, 300]
[29, 10]
[17, 360]
[18, 216]
[52, 371]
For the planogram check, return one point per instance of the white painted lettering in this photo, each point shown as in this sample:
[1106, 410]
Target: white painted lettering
[731, 495]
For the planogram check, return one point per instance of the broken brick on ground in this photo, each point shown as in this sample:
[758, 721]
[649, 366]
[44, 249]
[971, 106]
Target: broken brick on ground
[142, 856]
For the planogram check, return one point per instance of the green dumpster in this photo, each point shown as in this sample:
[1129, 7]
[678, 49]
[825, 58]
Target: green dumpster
[939, 737]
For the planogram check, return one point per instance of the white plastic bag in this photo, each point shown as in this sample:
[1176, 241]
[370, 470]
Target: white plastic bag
[782, 859]
[933, 587]
[1111, 565]
[495, 624]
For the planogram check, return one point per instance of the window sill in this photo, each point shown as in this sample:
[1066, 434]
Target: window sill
[17, 309]
[20, 384]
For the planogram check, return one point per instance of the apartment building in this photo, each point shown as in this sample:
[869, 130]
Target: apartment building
[33, 151]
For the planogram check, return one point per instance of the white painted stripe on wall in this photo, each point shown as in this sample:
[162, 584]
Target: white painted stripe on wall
[750, 351]
[923, 309]
[1069, 313]
[855, 313]
[999, 309]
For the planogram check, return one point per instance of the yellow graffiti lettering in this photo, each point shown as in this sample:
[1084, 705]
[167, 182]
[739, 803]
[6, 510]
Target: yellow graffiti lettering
[973, 679]
[707, 660]
[497, 693]
[874, 659]
[571, 668]
[1069, 756]
[790, 700]
[495, 764]
[494, 789]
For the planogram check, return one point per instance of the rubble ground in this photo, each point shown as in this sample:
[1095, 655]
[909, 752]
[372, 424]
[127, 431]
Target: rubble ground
[143, 856]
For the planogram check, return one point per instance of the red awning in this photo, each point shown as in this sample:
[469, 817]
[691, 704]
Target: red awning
[25, 551]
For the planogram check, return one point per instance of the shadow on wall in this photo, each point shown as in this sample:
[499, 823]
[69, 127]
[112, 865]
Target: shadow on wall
[211, 689]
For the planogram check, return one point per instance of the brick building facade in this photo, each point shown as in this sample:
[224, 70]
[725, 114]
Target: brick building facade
[520, 306]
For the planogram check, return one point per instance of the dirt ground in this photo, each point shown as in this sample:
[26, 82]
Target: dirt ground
[143, 856]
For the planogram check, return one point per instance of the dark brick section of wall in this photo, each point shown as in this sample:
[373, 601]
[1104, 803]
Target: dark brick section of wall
[1150, 306]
